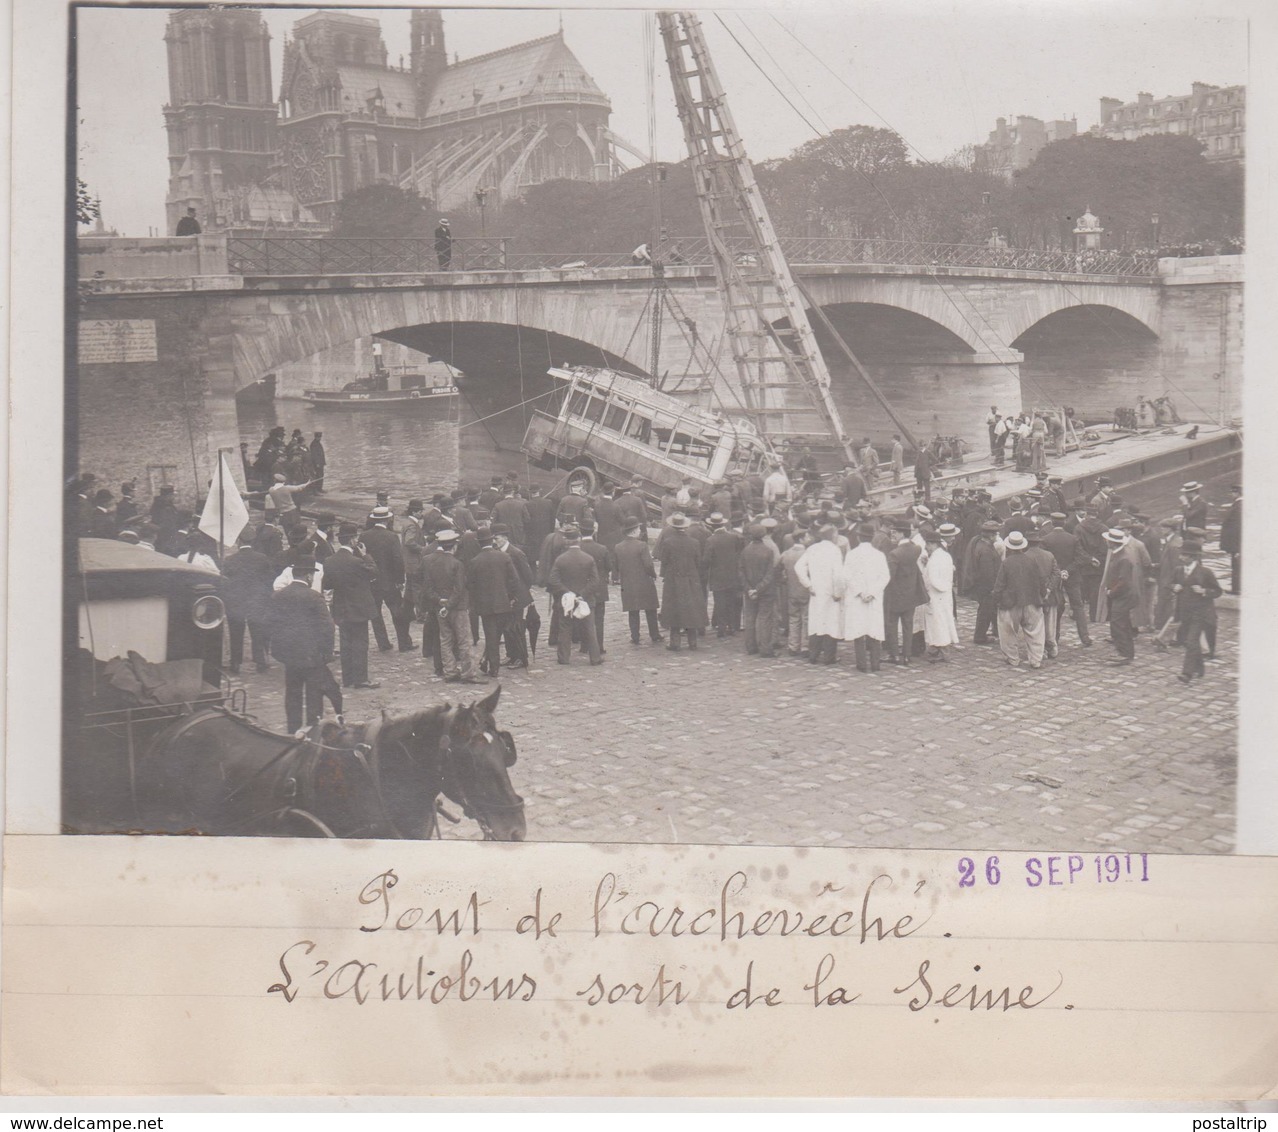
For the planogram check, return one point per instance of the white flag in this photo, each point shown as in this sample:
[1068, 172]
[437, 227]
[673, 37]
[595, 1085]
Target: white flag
[224, 512]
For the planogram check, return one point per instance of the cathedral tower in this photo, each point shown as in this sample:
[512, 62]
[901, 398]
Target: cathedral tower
[428, 59]
[221, 113]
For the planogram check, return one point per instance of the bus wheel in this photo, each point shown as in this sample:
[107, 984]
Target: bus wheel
[584, 474]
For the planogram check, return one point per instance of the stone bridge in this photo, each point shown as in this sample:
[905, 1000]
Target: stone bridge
[943, 342]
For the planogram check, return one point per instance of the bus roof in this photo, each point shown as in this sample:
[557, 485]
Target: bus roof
[100, 554]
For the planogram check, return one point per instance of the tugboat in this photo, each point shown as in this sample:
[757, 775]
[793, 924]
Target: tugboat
[388, 385]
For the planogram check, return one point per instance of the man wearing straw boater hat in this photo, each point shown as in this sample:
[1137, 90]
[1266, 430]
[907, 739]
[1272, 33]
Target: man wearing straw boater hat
[1122, 595]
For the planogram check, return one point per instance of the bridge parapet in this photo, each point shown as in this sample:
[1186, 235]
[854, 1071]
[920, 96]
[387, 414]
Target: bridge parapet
[316, 256]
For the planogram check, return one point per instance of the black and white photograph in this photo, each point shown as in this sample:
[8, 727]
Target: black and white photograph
[591, 551]
[724, 427]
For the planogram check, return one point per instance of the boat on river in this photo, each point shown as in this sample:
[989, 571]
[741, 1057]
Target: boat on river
[401, 386]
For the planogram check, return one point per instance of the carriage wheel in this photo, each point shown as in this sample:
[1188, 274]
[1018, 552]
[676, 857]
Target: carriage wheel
[584, 474]
[292, 823]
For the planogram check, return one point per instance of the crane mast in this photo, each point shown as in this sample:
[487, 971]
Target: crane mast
[784, 382]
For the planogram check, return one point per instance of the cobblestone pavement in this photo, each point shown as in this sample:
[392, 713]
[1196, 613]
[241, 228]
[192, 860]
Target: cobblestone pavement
[715, 746]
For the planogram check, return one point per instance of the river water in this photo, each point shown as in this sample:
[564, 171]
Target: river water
[407, 452]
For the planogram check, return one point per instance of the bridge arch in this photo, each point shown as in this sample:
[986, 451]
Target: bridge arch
[1092, 356]
[587, 326]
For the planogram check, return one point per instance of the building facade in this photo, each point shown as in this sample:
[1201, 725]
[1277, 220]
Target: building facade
[1014, 146]
[1214, 115]
[347, 118]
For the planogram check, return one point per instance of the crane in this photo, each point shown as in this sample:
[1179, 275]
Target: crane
[784, 382]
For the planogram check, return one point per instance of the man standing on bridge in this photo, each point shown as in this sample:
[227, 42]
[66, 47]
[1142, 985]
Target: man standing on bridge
[444, 244]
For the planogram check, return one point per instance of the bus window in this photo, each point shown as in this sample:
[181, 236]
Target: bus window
[595, 410]
[639, 428]
[615, 417]
[577, 403]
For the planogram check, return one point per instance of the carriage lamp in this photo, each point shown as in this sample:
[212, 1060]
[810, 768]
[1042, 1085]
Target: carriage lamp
[208, 612]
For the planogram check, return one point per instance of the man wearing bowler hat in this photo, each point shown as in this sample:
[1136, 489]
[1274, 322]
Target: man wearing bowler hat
[574, 572]
[1198, 589]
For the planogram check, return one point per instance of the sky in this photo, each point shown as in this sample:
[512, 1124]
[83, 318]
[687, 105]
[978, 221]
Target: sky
[938, 72]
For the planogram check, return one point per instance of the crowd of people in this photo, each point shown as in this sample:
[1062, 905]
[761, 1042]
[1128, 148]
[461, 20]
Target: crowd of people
[792, 570]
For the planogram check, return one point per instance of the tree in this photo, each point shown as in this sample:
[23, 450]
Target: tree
[87, 208]
[865, 149]
[1126, 183]
[384, 211]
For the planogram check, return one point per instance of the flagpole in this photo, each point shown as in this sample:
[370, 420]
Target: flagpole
[221, 507]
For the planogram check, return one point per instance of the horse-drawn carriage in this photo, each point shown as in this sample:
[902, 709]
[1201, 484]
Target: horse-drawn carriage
[154, 741]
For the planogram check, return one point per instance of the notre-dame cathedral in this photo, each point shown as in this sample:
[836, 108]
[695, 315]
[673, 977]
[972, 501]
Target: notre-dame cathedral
[346, 118]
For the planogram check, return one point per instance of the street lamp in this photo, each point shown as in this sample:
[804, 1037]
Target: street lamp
[1153, 220]
[481, 198]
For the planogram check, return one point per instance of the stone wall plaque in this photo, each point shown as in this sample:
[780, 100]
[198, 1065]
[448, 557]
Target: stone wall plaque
[107, 340]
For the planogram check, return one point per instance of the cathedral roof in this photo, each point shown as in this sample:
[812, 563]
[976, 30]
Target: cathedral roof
[360, 81]
[538, 67]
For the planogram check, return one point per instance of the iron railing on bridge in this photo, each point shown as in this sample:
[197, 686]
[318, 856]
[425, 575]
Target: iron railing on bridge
[324, 255]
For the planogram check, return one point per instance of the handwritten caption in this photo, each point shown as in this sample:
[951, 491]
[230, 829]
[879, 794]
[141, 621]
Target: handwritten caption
[881, 914]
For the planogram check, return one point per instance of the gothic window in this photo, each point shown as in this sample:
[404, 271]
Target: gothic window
[239, 71]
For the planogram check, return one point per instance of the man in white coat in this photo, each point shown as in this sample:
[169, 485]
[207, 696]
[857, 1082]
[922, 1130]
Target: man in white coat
[865, 575]
[940, 630]
[821, 572]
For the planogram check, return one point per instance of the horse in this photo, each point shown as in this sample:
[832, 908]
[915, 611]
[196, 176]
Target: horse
[215, 772]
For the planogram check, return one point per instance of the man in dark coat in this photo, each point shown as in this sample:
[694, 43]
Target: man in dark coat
[1067, 549]
[721, 576]
[1198, 589]
[574, 507]
[632, 507]
[444, 589]
[1122, 589]
[683, 601]
[552, 546]
[1092, 550]
[302, 640]
[319, 460]
[350, 574]
[758, 567]
[167, 521]
[413, 536]
[188, 225]
[541, 521]
[576, 572]
[1194, 505]
[494, 591]
[1231, 538]
[853, 487]
[610, 520]
[603, 561]
[1045, 560]
[246, 590]
[387, 552]
[325, 536]
[905, 591]
[524, 619]
[638, 574]
[444, 244]
[923, 473]
[512, 512]
[980, 569]
[1018, 592]
[489, 498]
